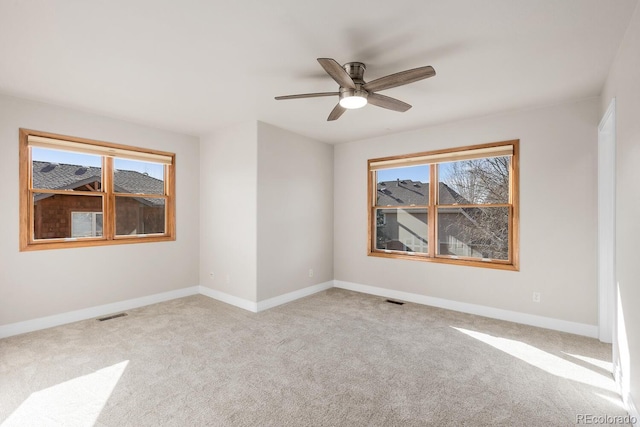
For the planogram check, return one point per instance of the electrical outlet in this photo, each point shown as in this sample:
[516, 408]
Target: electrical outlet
[212, 275]
[536, 297]
[228, 278]
[311, 272]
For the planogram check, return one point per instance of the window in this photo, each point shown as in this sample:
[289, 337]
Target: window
[77, 192]
[470, 217]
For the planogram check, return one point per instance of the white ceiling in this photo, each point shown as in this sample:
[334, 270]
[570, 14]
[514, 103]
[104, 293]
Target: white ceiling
[193, 66]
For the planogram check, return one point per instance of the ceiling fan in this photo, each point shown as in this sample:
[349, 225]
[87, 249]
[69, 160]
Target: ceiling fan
[354, 92]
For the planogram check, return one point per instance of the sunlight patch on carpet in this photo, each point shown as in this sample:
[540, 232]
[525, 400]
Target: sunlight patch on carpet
[615, 400]
[607, 366]
[77, 402]
[547, 362]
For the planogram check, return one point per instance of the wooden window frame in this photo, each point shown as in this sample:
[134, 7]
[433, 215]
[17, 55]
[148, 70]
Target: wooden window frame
[108, 151]
[432, 158]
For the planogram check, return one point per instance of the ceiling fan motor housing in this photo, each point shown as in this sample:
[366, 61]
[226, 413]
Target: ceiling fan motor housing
[355, 71]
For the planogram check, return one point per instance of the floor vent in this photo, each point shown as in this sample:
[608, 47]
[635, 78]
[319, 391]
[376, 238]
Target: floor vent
[395, 302]
[112, 317]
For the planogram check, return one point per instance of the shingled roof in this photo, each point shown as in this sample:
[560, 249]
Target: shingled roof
[61, 176]
[407, 192]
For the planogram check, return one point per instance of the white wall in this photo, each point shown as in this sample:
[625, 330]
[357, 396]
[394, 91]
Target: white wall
[623, 83]
[228, 210]
[266, 212]
[42, 283]
[558, 147]
[295, 212]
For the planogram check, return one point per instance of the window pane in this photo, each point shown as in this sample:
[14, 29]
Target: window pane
[64, 170]
[85, 224]
[131, 176]
[81, 224]
[53, 214]
[474, 232]
[139, 216]
[475, 181]
[403, 186]
[402, 230]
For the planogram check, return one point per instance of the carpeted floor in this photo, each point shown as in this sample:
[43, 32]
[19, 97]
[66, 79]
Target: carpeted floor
[336, 358]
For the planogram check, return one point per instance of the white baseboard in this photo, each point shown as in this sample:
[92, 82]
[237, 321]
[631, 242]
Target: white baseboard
[101, 310]
[480, 310]
[91, 312]
[264, 304]
[229, 299]
[292, 296]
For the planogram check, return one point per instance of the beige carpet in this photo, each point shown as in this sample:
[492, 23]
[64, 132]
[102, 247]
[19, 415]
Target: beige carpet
[337, 358]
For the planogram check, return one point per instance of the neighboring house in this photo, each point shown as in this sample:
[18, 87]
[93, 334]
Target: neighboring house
[62, 216]
[461, 231]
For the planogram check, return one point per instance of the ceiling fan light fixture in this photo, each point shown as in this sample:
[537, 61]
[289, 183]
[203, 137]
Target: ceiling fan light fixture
[353, 98]
[353, 102]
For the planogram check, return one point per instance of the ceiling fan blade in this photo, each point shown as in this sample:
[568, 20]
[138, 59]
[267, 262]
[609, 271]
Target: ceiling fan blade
[387, 102]
[307, 95]
[336, 72]
[335, 114]
[399, 79]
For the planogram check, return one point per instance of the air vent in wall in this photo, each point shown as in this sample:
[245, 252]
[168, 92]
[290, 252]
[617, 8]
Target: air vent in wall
[112, 317]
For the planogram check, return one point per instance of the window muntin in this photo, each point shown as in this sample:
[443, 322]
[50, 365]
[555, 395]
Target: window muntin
[73, 195]
[472, 214]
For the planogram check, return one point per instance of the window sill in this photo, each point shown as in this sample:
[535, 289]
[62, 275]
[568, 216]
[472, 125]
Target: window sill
[504, 265]
[88, 242]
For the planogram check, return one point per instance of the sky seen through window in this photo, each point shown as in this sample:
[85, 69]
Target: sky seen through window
[156, 170]
[414, 173]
